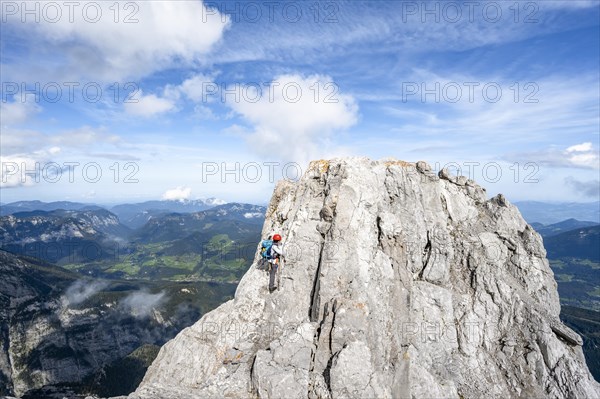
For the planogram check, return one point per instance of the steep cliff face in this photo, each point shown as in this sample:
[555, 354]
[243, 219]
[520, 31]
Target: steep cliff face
[61, 334]
[398, 283]
[22, 286]
[46, 341]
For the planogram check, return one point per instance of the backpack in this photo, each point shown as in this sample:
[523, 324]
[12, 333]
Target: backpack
[265, 249]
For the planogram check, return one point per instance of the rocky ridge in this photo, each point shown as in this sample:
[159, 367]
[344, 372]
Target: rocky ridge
[398, 282]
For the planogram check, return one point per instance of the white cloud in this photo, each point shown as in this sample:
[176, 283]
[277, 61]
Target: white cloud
[11, 172]
[583, 147]
[142, 38]
[16, 112]
[149, 105]
[195, 87]
[202, 112]
[587, 160]
[582, 156]
[141, 304]
[54, 150]
[199, 88]
[29, 157]
[23, 170]
[81, 290]
[296, 116]
[177, 193]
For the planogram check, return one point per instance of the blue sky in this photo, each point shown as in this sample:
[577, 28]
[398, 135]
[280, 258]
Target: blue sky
[187, 99]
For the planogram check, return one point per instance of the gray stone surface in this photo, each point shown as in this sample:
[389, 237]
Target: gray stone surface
[397, 284]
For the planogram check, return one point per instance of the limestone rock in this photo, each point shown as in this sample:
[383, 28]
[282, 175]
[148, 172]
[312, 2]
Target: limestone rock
[445, 174]
[423, 167]
[413, 287]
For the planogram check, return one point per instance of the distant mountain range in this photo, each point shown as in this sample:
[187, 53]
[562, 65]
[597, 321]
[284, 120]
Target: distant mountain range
[136, 215]
[216, 244]
[548, 213]
[130, 215]
[63, 236]
[560, 227]
[232, 219]
[27, 206]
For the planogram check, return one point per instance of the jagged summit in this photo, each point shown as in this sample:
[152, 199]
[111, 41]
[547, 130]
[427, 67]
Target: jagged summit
[398, 283]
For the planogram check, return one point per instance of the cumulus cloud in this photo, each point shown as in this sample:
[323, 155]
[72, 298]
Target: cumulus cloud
[149, 105]
[195, 88]
[296, 116]
[177, 193]
[23, 170]
[583, 155]
[139, 39]
[81, 290]
[141, 304]
[583, 147]
[589, 189]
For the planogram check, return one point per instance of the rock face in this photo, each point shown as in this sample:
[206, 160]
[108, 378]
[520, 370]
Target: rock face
[398, 283]
[46, 341]
[60, 333]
